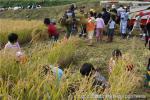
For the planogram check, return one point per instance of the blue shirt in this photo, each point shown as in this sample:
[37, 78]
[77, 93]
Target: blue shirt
[57, 72]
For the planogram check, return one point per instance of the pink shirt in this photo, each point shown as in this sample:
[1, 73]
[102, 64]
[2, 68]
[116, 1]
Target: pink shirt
[100, 23]
[13, 47]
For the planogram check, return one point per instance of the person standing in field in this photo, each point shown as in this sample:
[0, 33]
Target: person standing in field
[123, 23]
[111, 28]
[83, 22]
[99, 27]
[70, 20]
[90, 27]
[137, 24]
[105, 16]
[52, 30]
[119, 10]
[147, 37]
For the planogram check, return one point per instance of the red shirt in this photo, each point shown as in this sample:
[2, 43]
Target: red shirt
[52, 30]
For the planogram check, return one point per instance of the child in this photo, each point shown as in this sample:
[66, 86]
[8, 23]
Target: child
[111, 29]
[14, 49]
[117, 55]
[12, 44]
[99, 27]
[83, 22]
[148, 74]
[52, 30]
[87, 69]
[56, 71]
[90, 27]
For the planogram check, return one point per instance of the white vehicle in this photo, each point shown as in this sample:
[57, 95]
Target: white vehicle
[132, 4]
[2, 9]
[16, 8]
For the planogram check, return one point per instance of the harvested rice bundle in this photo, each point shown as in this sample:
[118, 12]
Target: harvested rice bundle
[81, 18]
[65, 21]
[39, 34]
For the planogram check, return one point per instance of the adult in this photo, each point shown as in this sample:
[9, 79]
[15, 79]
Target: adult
[71, 21]
[113, 9]
[123, 23]
[119, 10]
[105, 16]
[113, 12]
[137, 24]
[99, 27]
[83, 22]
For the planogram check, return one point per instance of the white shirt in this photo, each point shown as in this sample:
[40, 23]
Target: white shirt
[112, 24]
[124, 16]
[119, 10]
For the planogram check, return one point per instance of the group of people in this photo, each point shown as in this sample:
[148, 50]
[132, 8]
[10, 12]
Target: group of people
[96, 23]
[86, 69]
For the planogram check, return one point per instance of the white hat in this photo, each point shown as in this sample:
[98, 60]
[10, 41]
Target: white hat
[125, 7]
[113, 6]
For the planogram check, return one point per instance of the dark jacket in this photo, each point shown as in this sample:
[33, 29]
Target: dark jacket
[106, 17]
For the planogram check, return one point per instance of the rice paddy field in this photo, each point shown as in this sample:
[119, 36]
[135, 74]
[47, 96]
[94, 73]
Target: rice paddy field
[26, 81]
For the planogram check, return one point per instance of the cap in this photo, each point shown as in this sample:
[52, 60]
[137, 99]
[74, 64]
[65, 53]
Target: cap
[92, 10]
